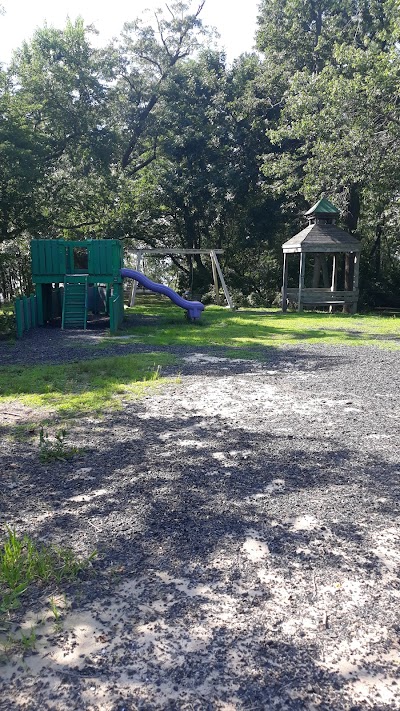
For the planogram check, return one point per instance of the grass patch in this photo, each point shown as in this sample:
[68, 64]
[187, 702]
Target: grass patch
[23, 432]
[96, 385]
[252, 329]
[24, 563]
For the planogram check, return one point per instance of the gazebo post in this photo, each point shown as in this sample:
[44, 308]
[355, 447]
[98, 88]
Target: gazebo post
[356, 274]
[348, 279]
[301, 280]
[285, 281]
[334, 276]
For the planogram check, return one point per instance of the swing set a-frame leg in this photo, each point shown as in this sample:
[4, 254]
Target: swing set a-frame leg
[215, 279]
[139, 258]
[217, 270]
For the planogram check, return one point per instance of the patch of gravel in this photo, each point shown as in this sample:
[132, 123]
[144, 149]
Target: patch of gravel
[246, 519]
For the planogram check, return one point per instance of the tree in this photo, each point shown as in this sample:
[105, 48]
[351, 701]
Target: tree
[90, 120]
[21, 153]
[55, 139]
[338, 128]
[147, 57]
[205, 189]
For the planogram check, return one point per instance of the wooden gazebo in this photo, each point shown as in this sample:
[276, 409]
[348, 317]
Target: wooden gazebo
[330, 249]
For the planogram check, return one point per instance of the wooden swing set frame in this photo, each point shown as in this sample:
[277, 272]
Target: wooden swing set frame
[215, 265]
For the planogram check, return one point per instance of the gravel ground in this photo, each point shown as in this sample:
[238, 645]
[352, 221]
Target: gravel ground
[246, 523]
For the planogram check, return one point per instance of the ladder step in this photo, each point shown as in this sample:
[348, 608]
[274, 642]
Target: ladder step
[75, 302]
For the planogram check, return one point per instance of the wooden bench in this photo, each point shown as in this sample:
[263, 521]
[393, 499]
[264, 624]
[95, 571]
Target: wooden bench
[323, 297]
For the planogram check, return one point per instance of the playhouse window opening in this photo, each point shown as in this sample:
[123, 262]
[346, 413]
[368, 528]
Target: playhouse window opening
[81, 259]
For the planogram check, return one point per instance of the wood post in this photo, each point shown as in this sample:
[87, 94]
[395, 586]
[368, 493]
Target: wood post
[334, 272]
[27, 313]
[285, 281]
[116, 307]
[301, 280]
[222, 280]
[348, 278]
[215, 278]
[139, 259]
[334, 277]
[19, 317]
[356, 274]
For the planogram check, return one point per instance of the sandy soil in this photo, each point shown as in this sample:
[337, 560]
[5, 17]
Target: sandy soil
[246, 522]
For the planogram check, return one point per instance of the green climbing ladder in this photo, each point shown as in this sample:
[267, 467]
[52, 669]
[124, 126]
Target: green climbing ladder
[74, 313]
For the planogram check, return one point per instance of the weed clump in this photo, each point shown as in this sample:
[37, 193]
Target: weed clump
[55, 449]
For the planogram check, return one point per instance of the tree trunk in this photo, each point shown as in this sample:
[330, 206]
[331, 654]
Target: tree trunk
[376, 249]
[353, 208]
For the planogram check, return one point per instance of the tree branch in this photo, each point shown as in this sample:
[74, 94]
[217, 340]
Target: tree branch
[76, 227]
[138, 130]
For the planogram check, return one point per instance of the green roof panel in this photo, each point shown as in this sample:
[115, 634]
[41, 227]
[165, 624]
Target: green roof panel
[322, 207]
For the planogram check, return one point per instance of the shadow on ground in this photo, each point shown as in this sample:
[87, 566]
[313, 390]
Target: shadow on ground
[243, 567]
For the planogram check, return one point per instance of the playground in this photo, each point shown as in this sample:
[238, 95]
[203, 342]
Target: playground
[238, 480]
[75, 279]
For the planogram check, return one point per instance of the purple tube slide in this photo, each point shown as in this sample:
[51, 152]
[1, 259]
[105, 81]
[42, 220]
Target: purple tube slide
[194, 308]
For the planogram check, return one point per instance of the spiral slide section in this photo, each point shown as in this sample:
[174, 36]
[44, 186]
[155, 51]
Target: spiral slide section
[194, 308]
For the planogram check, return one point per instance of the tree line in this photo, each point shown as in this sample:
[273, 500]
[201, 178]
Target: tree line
[156, 140]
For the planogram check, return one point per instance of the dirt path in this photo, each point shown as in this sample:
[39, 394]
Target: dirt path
[246, 520]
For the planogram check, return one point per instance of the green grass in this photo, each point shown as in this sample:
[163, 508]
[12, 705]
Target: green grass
[101, 384]
[22, 433]
[97, 385]
[255, 328]
[24, 563]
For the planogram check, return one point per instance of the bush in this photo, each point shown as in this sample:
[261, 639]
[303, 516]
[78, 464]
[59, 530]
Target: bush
[7, 322]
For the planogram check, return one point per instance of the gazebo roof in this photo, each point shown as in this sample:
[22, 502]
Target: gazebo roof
[322, 207]
[322, 238]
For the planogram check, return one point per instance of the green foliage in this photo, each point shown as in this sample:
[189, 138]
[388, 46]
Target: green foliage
[28, 641]
[7, 326]
[55, 610]
[24, 562]
[15, 270]
[148, 56]
[56, 156]
[337, 131]
[155, 139]
[54, 448]
[300, 35]
[205, 189]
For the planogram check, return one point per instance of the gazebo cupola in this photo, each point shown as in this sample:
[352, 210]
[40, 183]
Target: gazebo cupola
[322, 213]
[329, 250]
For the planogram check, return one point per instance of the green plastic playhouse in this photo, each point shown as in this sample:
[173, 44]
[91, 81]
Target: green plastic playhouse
[74, 277]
